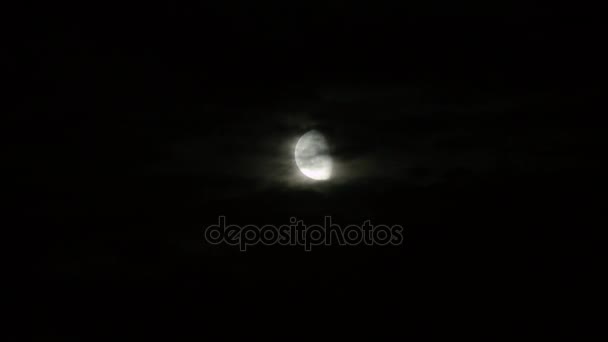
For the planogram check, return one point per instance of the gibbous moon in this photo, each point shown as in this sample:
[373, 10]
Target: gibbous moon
[312, 156]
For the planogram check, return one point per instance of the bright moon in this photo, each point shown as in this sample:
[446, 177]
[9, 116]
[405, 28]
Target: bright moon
[312, 156]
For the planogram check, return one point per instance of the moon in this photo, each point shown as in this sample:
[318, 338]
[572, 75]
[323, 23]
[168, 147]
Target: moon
[312, 156]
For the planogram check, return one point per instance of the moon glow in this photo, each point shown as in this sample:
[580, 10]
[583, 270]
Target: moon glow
[312, 156]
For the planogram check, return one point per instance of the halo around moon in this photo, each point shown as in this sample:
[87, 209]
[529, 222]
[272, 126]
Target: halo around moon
[312, 156]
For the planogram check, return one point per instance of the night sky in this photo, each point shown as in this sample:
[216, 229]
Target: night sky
[474, 125]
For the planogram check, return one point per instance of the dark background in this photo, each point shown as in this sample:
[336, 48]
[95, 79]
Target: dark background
[474, 125]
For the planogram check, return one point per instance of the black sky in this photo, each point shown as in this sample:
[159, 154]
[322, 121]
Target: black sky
[474, 125]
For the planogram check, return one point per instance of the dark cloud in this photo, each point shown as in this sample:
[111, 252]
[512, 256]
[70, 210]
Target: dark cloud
[377, 135]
